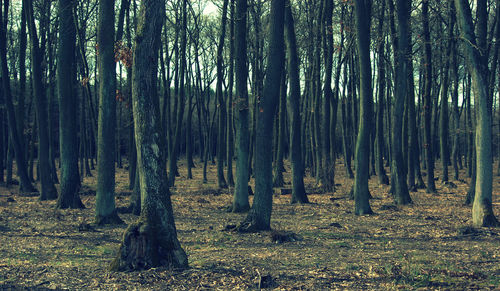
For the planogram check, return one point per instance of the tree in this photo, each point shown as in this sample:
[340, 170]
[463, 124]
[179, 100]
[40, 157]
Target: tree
[48, 190]
[398, 171]
[298, 189]
[105, 194]
[220, 99]
[361, 191]
[482, 211]
[22, 171]
[240, 197]
[259, 217]
[66, 77]
[428, 146]
[151, 241]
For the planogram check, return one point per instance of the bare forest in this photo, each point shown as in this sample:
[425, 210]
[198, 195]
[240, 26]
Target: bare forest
[249, 144]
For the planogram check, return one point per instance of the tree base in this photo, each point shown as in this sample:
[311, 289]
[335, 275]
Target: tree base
[113, 218]
[251, 225]
[144, 248]
[489, 221]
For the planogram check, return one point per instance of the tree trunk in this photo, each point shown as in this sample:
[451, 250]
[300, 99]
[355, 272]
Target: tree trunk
[361, 191]
[66, 76]
[240, 198]
[221, 103]
[25, 183]
[152, 240]
[482, 211]
[398, 171]
[106, 147]
[431, 188]
[48, 190]
[298, 189]
[230, 107]
[259, 217]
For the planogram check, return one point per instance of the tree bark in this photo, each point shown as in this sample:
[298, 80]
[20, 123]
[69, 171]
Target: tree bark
[298, 190]
[106, 147]
[482, 211]
[68, 141]
[259, 217]
[240, 198]
[22, 172]
[361, 191]
[152, 240]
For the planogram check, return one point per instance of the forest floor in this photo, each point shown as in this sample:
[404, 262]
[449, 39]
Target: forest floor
[426, 245]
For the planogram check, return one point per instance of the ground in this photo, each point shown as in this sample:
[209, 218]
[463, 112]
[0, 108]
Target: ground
[426, 245]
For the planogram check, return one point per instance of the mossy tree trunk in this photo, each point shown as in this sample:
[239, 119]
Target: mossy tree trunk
[152, 240]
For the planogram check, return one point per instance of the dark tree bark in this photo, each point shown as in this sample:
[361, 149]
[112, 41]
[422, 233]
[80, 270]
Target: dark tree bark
[181, 73]
[482, 211]
[298, 189]
[259, 217]
[48, 190]
[240, 198]
[361, 191]
[280, 126]
[106, 147]
[230, 107]
[221, 105]
[398, 171]
[152, 240]
[68, 141]
[428, 145]
[381, 75]
[22, 172]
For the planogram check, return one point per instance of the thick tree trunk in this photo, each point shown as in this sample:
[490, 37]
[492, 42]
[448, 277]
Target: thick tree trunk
[482, 211]
[152, 240]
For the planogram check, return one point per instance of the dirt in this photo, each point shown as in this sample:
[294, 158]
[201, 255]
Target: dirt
[427, 245]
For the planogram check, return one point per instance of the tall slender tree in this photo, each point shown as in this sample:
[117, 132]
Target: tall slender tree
[428, 145]
[259, 217]
[298, 189]
[66, 77]
[360, 188]
[240, 197]
[22, 170]
[105, 195]
[48, 190]
[398, 171]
